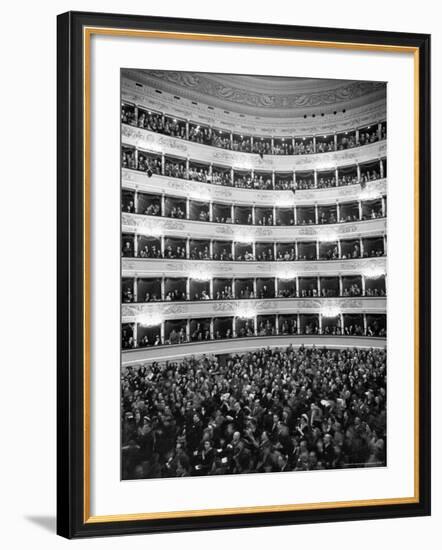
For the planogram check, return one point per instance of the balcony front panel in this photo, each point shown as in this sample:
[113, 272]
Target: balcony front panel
[228, 308]
[150, 141]
[139, 267]
[243, 345]
[136, 180]
[158, 226]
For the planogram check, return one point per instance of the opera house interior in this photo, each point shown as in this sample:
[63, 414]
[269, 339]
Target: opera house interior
[253, 273]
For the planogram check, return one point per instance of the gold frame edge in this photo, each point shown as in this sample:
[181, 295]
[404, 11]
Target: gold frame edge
[87, 33]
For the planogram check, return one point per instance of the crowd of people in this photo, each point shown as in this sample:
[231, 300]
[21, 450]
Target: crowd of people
[243, 215]
[353, 253]
[349, 217]
[150, 250]
[175, 170]
[151, 164]
[353, 289]
[225, 293]
[221, 177]
[174, 127]
[354, 329]
[287, 292]
[327, 217]
[197, 253]
[264, 252]
[153, 209]
[175, 252]
[155, 122]
[229, 327]
[152, 297]
[288, 326]
[373, 214]
[374, 328]
[175, 295]
[331, 253]
[269, 410]
[245, 289]
[177, 212]
[375, 292]
[249, 181]
[201, 174]
[224, 254]
[370, 175]
[332, 330]
[289, 255]
[200, 332]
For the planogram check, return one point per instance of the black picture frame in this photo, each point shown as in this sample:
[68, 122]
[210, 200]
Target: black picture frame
[71, 518]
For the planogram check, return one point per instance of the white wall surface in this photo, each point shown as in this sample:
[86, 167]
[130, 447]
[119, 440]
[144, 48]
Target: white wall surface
[27, 403]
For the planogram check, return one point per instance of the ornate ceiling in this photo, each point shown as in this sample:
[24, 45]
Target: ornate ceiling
[264, 96]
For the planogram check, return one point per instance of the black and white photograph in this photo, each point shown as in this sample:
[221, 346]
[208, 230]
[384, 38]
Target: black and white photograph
[253, 274]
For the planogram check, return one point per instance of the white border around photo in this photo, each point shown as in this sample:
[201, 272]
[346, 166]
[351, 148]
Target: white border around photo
[109, 494]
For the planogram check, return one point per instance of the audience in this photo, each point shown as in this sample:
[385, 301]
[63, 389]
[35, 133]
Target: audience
[173, 251]
[355, 329]
[153, 209]
[177, 212]
[352, 290]
[150, 250]
[164, 124]
[175, 295]
[151, 163]
[245, 290]
[264, 411]
[262, 216]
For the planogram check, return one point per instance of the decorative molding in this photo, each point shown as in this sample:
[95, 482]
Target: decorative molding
[158, 185]
[158, 143]
[138, 267]
[156, 226]
[281, 306]
[205, 85]
[140, 356]
[249, 108]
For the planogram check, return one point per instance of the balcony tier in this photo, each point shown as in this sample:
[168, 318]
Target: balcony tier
[139, 267]
[242, 345]
[174, 187]
[229, 120]
[229, 308]
[158, 226]
[150, 141]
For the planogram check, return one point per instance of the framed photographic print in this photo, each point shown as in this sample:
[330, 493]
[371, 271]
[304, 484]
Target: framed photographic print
[243, 274]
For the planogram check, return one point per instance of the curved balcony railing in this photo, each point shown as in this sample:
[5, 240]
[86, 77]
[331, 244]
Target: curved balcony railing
[178, 289]
[150, 331]
[232, 235]
[222, 308]
[170, 248]
[135, 180]
[160, 353]
[202, 269]
[327, 170]
[171, 126]
[162, 207]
